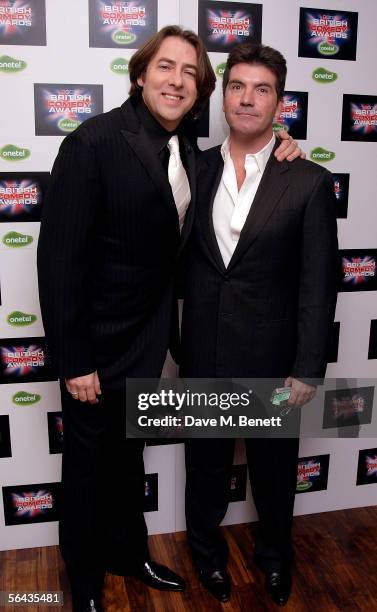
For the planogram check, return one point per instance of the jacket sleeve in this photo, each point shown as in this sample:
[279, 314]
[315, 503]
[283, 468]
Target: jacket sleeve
[67, 239]
[319, 277]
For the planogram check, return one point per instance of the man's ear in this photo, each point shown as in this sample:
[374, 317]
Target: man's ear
[279, 107]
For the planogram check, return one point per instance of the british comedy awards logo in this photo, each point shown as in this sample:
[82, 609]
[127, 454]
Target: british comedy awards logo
[372, 350]
[121, 24]
[293, 114]
[358, 270]
[24, 360]
[151, 493]
[55, 432]
[223, 25]
[330, 34]
[332, 355]
[341, 189]
[21, 195]
[31, 503]
[23, 22]
[359, 118]
[5, 445]
[60, 109]
[346, 407]
[312, 473]
[367, 466]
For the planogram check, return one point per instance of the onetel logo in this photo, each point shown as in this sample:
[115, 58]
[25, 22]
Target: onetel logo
[119, 66]
[280, 126]
[220, 69]
[16, 240]
[123, 38]
[68, 125]
[326, 48]
[321, 155]
[12, 153]
[22, 397]
[18, 318]
[10, 64]
[321, 75]
[303, 485]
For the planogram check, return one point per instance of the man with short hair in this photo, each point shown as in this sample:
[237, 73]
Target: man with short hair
[259, 300]
[115, 220]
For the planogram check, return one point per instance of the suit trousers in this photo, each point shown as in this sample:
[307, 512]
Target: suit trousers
[101, 508]
[272, 465]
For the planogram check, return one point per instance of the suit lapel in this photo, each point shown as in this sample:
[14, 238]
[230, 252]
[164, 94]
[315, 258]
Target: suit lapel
[209, 181]
[273, 184]
[137, 138]
[190, 166]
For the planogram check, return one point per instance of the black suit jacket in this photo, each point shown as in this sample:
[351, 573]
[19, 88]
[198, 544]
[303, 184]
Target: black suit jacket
[269, 313]
[107, 251]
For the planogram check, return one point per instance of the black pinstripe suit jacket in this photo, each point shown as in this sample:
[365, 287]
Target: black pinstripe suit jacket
[107, 251]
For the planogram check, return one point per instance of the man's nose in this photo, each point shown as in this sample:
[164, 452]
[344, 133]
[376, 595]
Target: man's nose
[175, 78]
[248, 97]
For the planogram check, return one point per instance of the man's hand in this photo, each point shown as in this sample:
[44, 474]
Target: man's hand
[301, 393]
[84, 388]
[288, 148]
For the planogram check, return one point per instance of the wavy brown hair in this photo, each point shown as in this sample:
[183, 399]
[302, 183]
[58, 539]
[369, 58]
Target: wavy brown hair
[205, 76]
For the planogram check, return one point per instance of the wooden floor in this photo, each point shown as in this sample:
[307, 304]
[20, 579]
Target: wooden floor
[335, 570]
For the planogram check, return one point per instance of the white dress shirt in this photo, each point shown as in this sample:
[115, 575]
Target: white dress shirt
[230, 206]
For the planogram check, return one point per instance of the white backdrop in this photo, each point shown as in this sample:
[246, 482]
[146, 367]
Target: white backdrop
[67, 58]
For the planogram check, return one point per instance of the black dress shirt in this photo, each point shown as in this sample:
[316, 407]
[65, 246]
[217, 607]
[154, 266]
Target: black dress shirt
[157, 134]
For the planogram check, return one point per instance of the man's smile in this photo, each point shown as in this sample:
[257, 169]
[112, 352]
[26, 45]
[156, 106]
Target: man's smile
[173, 97]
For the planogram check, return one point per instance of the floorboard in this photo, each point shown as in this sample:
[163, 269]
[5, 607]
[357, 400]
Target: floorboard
[335, 571]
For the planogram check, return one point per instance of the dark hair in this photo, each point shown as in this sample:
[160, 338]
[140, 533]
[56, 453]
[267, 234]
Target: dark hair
[205, 77]
[253, 53]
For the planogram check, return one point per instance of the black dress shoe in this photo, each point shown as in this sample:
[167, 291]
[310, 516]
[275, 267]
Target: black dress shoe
[278, 585]
[158, 576]
[217, 582]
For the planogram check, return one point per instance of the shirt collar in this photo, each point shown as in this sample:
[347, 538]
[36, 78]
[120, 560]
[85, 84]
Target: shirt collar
[261, 157]
[158, 135]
